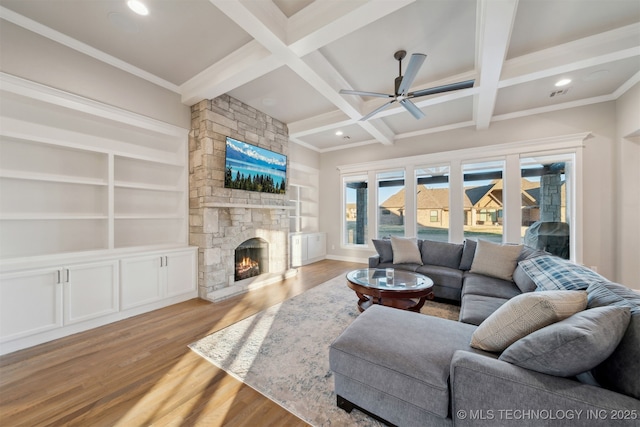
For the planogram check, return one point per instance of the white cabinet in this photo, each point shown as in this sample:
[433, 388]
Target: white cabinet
[39, 300]
[307, 248]
[90, 291]
[30, 302]
[153, 277]
[38, 304]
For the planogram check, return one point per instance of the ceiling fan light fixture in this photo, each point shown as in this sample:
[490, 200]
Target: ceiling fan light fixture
[138, 7]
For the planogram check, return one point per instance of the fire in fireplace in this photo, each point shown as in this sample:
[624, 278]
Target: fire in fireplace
[252, 258]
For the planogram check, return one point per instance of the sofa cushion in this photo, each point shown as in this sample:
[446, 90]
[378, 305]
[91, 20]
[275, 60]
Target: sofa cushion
[613, 373]
[524, 314]
[468, 252]
[478, 284]
[474, 309]
[441, 253]
[520, 277]
[403, 353]
[495, 260]
[384, 249]
[573, 345]
[553, 273]
[405, 250]
[443, 276]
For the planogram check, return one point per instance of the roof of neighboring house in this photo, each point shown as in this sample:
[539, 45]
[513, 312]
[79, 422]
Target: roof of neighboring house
[438, 198]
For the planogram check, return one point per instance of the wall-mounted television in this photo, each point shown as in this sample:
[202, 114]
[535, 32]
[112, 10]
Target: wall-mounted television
[252, 168]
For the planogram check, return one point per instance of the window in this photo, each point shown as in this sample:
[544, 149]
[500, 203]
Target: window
[391, 203]
[546, 203]
[483, 200]
[432, 203]
[355, 210]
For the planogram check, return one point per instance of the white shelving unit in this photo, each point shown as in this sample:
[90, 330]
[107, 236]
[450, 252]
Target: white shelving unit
[307, 243]
[86, 191]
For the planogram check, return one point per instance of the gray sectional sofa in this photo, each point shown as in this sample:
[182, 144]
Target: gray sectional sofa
[410, 369]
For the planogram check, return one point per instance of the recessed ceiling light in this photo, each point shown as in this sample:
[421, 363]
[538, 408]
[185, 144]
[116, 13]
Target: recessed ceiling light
[563, 82]
[138, 7]
[338, 132]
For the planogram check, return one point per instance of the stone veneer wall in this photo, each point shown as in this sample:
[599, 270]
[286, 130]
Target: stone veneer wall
[221, 218]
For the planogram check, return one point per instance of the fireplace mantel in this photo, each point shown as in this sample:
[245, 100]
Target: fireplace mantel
[244, 205]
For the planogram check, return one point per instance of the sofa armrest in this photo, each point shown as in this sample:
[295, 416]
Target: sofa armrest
[490, 392]
[374, 260]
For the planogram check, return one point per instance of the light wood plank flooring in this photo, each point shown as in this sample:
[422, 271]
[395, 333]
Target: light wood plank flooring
[139, 371]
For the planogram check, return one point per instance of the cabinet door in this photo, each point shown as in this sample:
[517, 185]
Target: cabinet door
[180, 269]
[296, 250]
[141, 282]
[316, 246]
[30, 302]
[90, 290]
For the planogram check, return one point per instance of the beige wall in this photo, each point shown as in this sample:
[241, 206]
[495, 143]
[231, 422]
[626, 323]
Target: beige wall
[627, 167]
[598, 177]
[36, 58]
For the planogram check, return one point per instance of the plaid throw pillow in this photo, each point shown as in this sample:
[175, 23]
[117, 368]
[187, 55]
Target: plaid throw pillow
[551, 273]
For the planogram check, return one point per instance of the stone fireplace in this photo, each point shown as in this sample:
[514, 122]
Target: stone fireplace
[223, 219]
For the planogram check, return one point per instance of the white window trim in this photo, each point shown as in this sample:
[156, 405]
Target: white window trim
[510, 153]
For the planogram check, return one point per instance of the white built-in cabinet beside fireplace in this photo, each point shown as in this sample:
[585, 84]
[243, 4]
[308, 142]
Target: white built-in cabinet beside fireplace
[306, 244]
[93, 214]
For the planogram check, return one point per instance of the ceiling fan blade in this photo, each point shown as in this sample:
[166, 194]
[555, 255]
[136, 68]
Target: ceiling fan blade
[377, 110]
[440, 89]
[412, 70]
[412, 108]
[361, 93]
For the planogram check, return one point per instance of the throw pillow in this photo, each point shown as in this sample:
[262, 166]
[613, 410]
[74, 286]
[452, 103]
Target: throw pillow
[384, 249]
[468, 252]
[613, 373]
[524, 314]
[441, 253]
[405, 250]
[495, 260]
[553, 273]
[573, 345]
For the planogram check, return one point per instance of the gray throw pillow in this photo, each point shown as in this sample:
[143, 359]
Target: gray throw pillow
[383, 247]
[468, 252]
[573, 345]
[405, 250]
[441, 253]
[495, 260]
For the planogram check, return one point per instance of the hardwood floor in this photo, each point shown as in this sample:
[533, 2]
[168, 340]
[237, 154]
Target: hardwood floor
[139, 371]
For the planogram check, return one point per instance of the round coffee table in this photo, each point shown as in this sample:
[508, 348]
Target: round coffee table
[390, 287]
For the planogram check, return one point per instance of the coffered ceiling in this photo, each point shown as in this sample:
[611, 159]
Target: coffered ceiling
[290, 58]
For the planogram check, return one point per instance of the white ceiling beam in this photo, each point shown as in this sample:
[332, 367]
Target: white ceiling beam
[248, 63]
[265, 23]
[323, 22]
[494, 24]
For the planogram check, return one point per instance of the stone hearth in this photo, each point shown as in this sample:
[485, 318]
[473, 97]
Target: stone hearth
[220, 218]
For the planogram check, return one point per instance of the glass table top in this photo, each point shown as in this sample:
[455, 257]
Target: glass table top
[389, 279]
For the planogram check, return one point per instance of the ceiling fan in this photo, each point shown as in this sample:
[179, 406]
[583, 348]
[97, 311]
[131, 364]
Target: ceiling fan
[402, 84]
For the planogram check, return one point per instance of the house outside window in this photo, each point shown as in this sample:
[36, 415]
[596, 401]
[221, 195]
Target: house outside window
[432, 202]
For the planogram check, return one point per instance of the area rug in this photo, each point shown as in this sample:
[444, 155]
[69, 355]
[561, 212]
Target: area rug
[283, 351]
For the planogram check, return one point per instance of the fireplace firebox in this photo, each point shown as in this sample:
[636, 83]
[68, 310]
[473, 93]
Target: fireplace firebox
[251, 258]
